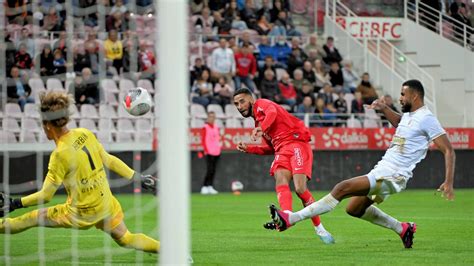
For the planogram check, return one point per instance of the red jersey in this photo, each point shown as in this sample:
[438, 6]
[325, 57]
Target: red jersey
[279, 127]
[245, 64]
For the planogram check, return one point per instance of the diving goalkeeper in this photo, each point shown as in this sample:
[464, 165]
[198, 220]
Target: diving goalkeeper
[78, 162]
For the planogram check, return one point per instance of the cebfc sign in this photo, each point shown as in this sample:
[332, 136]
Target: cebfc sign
[333, 138]
[372, 27]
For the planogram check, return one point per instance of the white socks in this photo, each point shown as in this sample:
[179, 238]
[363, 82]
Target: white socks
[378, 217]
[326, 204]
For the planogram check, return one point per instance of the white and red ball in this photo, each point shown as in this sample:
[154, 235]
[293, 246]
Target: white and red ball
[137, 101]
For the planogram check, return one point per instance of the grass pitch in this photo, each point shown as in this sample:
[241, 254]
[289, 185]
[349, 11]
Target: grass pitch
[227, 229]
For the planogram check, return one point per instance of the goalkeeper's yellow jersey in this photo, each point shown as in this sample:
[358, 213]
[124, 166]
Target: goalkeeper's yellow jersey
[78, 163]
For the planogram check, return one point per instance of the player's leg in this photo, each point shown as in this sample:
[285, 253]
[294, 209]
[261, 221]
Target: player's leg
[23, 222]
[282, 187]
[125, 239]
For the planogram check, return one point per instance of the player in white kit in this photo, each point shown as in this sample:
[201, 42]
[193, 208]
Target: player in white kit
[416, 128]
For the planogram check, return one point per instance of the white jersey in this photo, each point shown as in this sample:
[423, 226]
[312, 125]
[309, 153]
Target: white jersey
[411, 141]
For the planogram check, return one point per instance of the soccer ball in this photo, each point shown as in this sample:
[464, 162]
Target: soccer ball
[137, 101]
[236, 187]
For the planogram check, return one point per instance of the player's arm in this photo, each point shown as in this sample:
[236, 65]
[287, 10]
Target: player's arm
[443, 144]
[265, 149]
[392, 116]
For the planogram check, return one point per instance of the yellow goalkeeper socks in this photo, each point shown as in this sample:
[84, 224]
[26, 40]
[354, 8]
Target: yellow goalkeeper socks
[20, 223]
[139, 242]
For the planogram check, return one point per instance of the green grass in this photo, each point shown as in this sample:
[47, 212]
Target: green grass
[227, 229]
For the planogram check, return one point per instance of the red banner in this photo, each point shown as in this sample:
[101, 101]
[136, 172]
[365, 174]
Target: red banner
[333, 138]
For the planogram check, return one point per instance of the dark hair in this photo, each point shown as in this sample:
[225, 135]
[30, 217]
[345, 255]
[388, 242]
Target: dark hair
[330, 38]
[416, 86]
[242, 91]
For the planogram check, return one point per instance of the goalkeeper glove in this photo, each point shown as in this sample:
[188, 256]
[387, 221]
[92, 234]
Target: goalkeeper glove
[149, 183]
[8, 204]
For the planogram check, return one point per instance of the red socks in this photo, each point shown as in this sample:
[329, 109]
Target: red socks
[307, 199]
[284, 197]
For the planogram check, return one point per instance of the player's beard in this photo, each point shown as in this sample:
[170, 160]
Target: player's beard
[406, 107]
[249, 111]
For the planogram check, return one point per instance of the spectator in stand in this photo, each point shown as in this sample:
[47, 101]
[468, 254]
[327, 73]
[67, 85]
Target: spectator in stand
[249, 14]
[130, 45]
[429, 16]
[18, 90]
[330, 113]
[387, 99]
[212, 149]
[197, 6]
[322, 77]
[350, 77]
[314, 55]
[367, 90]
[203, 90]
[223, 61]
[269, 87]
[463, 12]
[296, 60]
[284, 25]
[220, 26]
[308, 72]
[323, 112]
[59, 63]
[223, 92]
[87, 90]
[91, 58]
[298, 79]
[277, 7]
[52, 21]
[306, 91]
[22, 59]
[268, 65]
[114, 50]
[357, 103]
[197, 69]
[341, 108]
[265, 50]
[233, 14]
[118, 7]
[114, 22]
[232, 44]
[26, 39]
[91, 18]
[92, 41]
[306, 107]
[282, 52]
[16, 11]
[147, 61]
[45, 61]
[263, 27]
[216, 5]
[335, 75]
[10, 52]
[313, 45]
[204, 23]
[265, 10]
[332, 54]
[245, 39]
[61, 43]
[246, 67]
[287, 91]
[328, 94]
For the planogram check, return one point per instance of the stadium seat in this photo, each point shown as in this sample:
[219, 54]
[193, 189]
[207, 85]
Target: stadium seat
[13, 110]
[299, 6]
[231, 111]
[156, 85]
[71, 124]
[122, 113]
[10, 124]
[54, 84]
[30, 125]
[353, 122]
[349, 97]
[143, 137]
[31, 111]
[109, 85]
[108, 111]
[110, 98]
[248, 123]
[279, 73]
[198, 111]
[7, 137]
[28, 137]
[89, 111]
[125, 125]
[106, 124]
[143, 125]
[146, 84]
[36, 84]
[124, 137]
[216, 108]
[42, 138]
[371, 119]
[233, 123]
[219, 123]
[196, 123]
[125, 85]
[75, 114]
[104, 136]
[88, 123]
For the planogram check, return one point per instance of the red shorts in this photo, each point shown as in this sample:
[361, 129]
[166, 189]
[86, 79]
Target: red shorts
[296, 157]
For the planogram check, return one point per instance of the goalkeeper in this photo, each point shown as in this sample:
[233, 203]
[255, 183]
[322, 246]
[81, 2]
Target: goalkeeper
[78, 163]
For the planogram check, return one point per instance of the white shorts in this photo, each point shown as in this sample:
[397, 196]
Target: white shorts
[384, 181]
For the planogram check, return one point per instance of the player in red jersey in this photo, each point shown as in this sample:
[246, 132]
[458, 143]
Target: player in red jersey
[288, 138]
